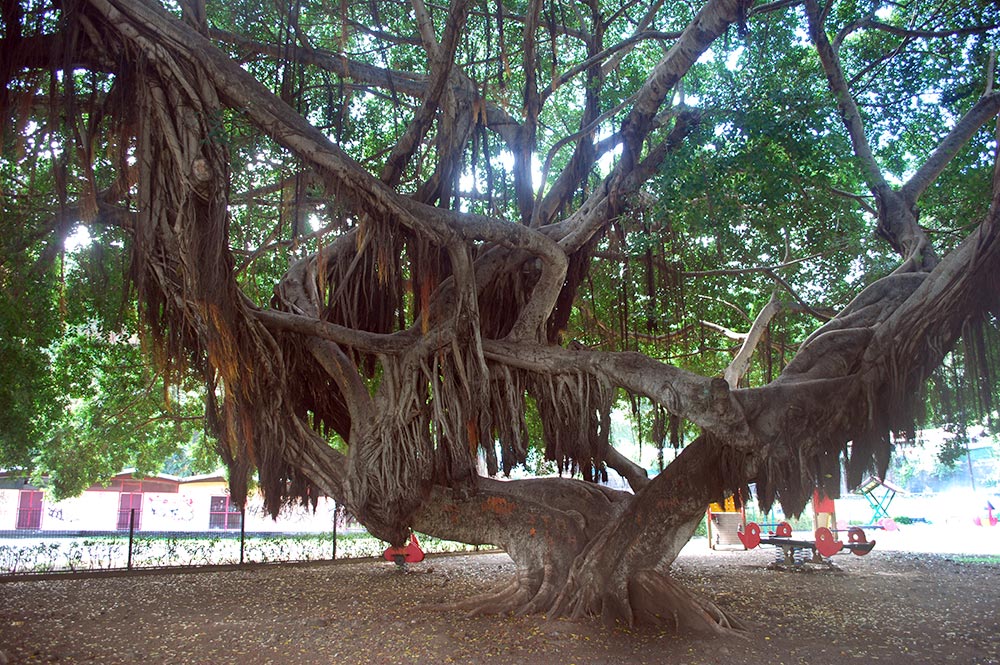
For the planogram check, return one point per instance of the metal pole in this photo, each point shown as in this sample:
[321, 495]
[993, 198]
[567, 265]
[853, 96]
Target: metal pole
[334, 530]
[243, 530]
[968, 457]
[131, 535]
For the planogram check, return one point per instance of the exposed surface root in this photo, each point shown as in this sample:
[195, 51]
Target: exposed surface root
[527, 593]
[648, 598]
[657, 599]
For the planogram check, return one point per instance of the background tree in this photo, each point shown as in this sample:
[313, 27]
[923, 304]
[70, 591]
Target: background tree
[378, 234]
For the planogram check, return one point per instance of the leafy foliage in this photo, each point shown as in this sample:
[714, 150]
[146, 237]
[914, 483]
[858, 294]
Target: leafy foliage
[81, 400]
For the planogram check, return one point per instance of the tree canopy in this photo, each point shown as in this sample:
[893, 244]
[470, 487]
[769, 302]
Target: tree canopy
[373, 248]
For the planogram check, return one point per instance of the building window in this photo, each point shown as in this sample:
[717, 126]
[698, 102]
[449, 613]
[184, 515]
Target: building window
[130, 499]
[29, 510]
[224, 514]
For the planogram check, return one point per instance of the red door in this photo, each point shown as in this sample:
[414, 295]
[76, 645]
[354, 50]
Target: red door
[29, 510]
[129, 501]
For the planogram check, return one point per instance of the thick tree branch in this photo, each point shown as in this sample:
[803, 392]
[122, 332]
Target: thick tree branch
[577, 229]
[426, 28]
[344, 373]
[702, 400]
[364, 74]
[897, 216]
[966, 284]
[741, 363]
[392, 344]
[634, 475]
[585, 154]
[927, 34]
[983, 111]
[402, 82]
[710, 22]
[845, 101]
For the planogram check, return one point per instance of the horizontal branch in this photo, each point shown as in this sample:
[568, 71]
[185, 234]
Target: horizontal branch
[773, 7]
[802, 303]
[356, 70]
[55, 52]
[763, 269]
[705, 401]
[399, 82]
[857, 198]
[928, 34]
[392, 344]
[724, 331]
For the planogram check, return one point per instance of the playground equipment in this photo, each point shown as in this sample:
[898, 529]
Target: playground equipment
[410, 553]
[823, 547]
[824, 510]
[723, 521]
[879, 494]
[990, 520]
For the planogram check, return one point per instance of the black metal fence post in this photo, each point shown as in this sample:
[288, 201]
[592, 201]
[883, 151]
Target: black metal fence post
[243, 531]
[335, 510]
[131, 535]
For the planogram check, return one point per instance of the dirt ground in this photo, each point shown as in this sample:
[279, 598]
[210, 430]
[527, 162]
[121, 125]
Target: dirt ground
[892, 606]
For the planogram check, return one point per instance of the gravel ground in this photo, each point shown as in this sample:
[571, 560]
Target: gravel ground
[892, 606]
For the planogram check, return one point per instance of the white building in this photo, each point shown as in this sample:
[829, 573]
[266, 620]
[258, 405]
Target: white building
[158, 503]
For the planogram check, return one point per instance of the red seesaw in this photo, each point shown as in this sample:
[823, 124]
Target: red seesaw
[825, 545]
[410, 553]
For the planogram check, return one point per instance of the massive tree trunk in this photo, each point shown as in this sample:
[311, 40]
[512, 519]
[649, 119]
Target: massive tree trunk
[416, 400]
[542, 524]
[623, 575]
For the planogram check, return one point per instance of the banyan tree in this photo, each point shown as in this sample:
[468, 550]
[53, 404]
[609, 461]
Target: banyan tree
[403, 246]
